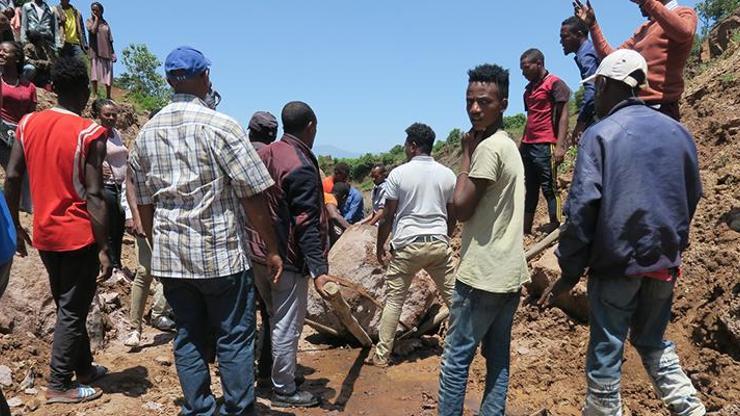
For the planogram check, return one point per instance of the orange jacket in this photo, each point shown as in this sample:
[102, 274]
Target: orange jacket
[665, 41]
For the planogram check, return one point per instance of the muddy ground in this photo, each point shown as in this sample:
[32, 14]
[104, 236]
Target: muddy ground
[548, 347]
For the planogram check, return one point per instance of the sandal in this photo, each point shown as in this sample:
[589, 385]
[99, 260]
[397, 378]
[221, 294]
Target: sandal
[96, 373]
[78, 394]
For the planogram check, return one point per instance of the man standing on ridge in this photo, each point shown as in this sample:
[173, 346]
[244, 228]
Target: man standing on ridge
[545, 139]
[299, 218]
[574, 39]
[489, 199]
[418, 208]
[628, 225]
[196, 175]
[665, 41]
[72, 38]
[63, 154]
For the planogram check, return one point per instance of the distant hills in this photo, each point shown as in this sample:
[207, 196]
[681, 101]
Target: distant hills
[333, 151]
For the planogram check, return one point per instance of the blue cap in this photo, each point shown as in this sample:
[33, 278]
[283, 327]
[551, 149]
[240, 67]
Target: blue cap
[191, 61]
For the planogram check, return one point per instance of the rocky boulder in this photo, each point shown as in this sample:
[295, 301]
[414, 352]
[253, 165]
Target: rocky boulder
[353, 260]
[545, 271]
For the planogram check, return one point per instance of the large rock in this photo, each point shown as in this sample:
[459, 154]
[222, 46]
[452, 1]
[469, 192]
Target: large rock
[353, 258]
[720, 37]
[544, 272]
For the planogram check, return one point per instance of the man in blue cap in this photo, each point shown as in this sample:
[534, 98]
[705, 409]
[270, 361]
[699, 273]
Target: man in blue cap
[194, 171]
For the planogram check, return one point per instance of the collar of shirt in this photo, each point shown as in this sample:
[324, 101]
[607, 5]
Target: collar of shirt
[586, 47]
[626, 103]
[422, 159]
[671, 4]
[187, 98]
[534, 84]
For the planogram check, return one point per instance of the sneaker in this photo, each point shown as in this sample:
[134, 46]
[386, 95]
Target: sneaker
[133, 340]
[375, 360]
[299, 398]
[163, 323]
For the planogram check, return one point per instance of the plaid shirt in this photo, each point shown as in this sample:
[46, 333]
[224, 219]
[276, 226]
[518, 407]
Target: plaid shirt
[194, 164]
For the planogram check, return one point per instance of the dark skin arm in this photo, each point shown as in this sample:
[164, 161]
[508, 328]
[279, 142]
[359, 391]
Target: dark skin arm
[451, 219]
[136, 228]
[96, 207]
[14, 177]
[386, 225]
[561, 118]
[336, 216]
[468, 191]
[259, 218]
[146, 214]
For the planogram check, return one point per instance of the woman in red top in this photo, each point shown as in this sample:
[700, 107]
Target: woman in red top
[17, 98]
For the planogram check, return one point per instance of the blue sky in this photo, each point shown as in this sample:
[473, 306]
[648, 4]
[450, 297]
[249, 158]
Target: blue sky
[368, 68]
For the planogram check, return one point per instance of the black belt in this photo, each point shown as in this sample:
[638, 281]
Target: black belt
[426, 239]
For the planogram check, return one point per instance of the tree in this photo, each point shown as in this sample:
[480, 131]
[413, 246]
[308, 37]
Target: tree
[142, 79]
[712, 11]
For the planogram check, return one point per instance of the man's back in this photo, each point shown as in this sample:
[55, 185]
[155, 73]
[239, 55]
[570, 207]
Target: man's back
[638, 185]
[55, 145]
[423, 188]
[194, 164]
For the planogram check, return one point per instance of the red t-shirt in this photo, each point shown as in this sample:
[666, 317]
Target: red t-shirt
[539, 102]
[18, 101]
[55, 144]
[328, 184]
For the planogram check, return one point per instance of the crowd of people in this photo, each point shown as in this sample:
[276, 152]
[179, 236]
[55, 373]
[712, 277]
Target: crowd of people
[226, 219]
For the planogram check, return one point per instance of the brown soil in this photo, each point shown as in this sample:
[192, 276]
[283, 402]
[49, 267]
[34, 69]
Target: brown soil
[548, 347]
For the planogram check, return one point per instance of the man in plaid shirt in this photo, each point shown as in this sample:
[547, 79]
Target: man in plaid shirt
[196, 174]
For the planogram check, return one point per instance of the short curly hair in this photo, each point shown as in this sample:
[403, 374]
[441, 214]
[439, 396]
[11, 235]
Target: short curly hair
[491, 74]
[69, 76]
[422, 136]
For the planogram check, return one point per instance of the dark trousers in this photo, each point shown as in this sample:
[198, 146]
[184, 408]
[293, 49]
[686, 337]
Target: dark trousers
[4, 409]
[224, 306]
[116, 223]
[264, 368]
[72, 50]
[72, 278]
[540, 173]
[672, 110]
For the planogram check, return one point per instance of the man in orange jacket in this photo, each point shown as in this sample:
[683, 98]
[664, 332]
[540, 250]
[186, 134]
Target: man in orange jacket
[665, 41]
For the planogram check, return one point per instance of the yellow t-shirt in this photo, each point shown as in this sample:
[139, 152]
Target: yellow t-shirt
[492, 253]
[70, 27]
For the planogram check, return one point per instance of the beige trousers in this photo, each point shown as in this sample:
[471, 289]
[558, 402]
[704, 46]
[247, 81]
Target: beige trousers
[436, 259]
[141, 287]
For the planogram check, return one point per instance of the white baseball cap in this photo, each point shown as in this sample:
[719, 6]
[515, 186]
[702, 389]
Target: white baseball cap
[621, 65]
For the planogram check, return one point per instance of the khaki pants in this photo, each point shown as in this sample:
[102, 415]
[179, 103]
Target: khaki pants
[436, 259]
[142, 284]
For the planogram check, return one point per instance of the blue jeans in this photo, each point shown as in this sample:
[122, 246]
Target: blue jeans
[642, 307]
[477, 317]
[225, 308]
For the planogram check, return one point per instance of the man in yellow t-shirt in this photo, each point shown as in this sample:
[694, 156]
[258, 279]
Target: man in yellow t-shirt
[489, 200]
[72, 31]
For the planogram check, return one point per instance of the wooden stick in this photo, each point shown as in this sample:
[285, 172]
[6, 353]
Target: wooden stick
[427, 325]
[341, 309]
[323, 328]
[544, 244]
[362, 292]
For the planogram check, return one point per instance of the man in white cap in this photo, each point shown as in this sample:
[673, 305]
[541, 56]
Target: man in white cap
[635, 190]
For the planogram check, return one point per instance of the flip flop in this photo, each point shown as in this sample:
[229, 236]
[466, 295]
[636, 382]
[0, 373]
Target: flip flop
[96, 373]
[78, 394]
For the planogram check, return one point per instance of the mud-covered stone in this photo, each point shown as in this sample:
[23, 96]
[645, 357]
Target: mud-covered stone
[353, 258]
[544, 272]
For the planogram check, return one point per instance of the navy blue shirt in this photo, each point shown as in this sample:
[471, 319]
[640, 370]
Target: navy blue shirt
[635, 190]
[588, 62]
[353, 208]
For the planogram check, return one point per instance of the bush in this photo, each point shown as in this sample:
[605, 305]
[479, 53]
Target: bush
[712, 11]
[146, 87]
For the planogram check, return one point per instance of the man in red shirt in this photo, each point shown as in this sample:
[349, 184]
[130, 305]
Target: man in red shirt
[544, 142]
[63, 154]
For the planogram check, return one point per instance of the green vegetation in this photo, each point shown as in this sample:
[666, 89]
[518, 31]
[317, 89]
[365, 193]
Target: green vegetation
[360, 167]
[712, 11]
[146, 87]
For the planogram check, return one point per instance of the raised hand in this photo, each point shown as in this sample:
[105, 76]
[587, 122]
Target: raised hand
[584, 12]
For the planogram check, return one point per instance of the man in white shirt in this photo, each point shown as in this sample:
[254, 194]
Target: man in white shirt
[418, 207]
